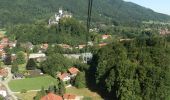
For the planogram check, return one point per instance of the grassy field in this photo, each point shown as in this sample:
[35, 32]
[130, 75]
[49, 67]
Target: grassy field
[31, 83]
[26, 96]
[84, 92]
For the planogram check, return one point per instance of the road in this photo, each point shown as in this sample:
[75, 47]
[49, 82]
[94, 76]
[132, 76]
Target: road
[5, 83]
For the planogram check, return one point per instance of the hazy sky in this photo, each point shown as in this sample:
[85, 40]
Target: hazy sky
[162, 6]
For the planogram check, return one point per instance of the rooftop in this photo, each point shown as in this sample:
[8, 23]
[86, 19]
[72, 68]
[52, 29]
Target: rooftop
[73, 70]
[51, 96]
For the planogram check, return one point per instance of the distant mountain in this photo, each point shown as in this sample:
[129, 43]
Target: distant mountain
[108, 11]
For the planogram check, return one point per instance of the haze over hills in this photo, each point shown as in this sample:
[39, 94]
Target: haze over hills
[113, 11]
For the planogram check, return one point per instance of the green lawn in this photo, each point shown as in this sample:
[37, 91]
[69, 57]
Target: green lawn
[31, 83]
[26, 96]
[84, 92]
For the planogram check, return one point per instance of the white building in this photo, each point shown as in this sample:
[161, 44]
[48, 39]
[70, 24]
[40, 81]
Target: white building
[84, 56]
[3, 90]
[37, 55]
[58, 16]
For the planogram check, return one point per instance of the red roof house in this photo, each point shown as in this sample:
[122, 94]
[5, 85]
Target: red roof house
[1, 47]
[64, 76]
[73, 71]
[3, 72]
[105, 36]
[82, 46]
[69, 97]
[102, 44]
[51, 96]
[45, 46]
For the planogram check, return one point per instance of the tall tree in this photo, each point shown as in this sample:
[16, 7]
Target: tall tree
[61, 87]
[80, 81]
[31, 64]
[21, 58]
[14, 68]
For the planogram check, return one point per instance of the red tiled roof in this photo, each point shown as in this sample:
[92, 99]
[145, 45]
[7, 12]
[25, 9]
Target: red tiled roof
[1, 46]
[5, 39]
[106, 36]
[62, 76]
[3, 72]
[52, 96]
[69, 96]
[73, 70]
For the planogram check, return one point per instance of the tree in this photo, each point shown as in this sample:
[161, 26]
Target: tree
[61, 87]
[31, 64]
[20, 58]
[40, 94]
[56, 63]
[80, 81]
[1, 97]
[14, 68]
[7, 60]
[134, 70]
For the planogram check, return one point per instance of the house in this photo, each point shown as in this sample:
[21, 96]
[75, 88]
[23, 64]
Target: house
[121, 40]
[44, 46]
[1, 47]
[65, 46]
[81, 46]
[27, 45]
[12, 44]
[3, 90]
[13, 57]
[69, 97]
[102, 44]
[64, 76]
[105, 36]
[4, 41]
[33, 73]
[164, 31]
[84, 56]
[72, 97]
[3, 73]
[38, 56]
[73, 71]
[51, 96]
[18, 76]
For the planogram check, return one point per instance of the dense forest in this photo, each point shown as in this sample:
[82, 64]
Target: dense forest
[134, 70]
[104, 11]
[69, 31]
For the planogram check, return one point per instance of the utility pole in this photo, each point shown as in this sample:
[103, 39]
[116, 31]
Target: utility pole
[90, 3]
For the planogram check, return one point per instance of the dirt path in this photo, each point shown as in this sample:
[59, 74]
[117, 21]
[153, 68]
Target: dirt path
[5, 83]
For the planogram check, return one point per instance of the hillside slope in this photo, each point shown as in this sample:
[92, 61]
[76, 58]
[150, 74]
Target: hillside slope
[116, 11]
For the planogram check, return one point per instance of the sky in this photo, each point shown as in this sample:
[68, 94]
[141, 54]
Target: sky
[161, 6]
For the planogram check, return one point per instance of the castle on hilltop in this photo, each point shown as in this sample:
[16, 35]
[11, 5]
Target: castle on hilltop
[59, 15]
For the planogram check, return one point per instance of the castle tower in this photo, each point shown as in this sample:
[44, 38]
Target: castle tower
[60, 11]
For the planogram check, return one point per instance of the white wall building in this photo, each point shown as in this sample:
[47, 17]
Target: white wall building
[58, 16]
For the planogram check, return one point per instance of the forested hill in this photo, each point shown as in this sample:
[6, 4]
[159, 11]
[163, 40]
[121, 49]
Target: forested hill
[114, 11]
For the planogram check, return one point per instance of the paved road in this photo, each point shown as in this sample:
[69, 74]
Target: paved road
[5, 83]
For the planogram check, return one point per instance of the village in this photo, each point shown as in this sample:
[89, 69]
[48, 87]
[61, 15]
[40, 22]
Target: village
[16, 79]
[20, 65]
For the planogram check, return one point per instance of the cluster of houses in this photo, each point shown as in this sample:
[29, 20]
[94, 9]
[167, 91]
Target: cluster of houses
[164, 31]
[5, 42]
[67, 76]
[52, 96]
[81, 46]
